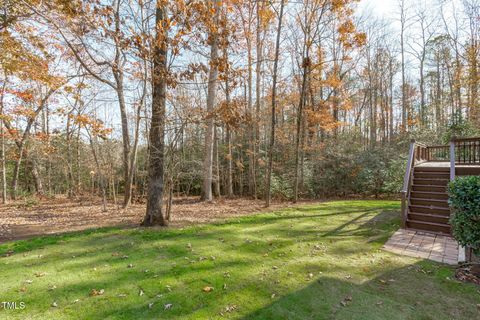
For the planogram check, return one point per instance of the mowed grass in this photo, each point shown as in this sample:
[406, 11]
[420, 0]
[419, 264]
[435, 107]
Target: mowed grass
[321, 261]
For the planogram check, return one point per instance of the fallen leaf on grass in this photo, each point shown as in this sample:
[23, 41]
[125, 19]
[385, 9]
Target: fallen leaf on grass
[141, 293]
[39, 274]
[52, 287]
[29, 281]
[8, 253]
[230, 308]
[168, 306]
[22, 289]
[150, 305]
[207, 289]
[379, 303]
[54, 304]
[130, 265]
[121, 295]
[346, 300]
[95, 292]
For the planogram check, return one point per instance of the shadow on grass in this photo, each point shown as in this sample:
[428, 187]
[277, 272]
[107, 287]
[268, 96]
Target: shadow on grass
[20, 246]
[418, 291]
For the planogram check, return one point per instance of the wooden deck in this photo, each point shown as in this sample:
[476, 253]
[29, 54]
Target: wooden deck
[429, 170]
[460, 169]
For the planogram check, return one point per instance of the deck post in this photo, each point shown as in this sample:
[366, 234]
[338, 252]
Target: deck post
[452, 159]
[461, 249]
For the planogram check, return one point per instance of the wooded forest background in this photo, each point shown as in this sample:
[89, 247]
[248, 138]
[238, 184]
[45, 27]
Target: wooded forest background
[347, 91]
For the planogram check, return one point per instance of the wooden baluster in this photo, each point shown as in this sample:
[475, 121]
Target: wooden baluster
[470, 152]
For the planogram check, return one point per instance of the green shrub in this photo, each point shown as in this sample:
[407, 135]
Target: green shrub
[464, 198]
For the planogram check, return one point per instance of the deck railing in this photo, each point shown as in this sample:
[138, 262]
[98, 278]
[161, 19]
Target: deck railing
[467, 151]
[438, 153]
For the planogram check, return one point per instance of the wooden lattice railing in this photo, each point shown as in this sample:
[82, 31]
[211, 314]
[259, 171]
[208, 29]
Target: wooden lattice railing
[438, 153]
[467, 151]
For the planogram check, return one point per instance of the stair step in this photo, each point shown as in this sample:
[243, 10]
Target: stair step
[429, 188]
[428, 226]
[429, 195]
[429, 202]
[430, 210]
[436, 182]
[425, 217]
[432, 169]
[431, 175]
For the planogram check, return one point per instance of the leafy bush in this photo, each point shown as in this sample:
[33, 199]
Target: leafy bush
[280, 187]
[349, 168]
[464, 198]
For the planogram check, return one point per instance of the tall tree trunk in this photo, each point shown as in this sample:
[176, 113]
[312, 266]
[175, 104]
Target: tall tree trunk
[101, 175]
[390, 84]
[229, 134]
[305, 62]
[2, 150]
[216, 181]
[4, 168]
[274, 105]
[211, 95]
[117, 70]
[402, 52]
[154, 214]
[252, 188]
[258, 78]
[423, 120]
[36, 177]
[128, 177]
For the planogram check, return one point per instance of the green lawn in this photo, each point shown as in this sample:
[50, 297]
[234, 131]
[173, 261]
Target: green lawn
[321, 261]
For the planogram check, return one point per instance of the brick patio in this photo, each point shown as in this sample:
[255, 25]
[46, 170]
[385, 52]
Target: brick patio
[423, 245]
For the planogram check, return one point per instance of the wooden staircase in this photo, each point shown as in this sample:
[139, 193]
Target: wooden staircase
[428, 208]
[429, 170]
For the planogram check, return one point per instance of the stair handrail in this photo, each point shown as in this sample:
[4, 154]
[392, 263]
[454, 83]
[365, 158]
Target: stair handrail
[407, 180]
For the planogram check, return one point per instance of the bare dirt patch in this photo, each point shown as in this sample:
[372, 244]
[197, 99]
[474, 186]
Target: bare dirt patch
[19, 219]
